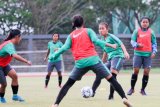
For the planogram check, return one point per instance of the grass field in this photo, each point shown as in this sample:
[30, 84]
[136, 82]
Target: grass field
[32, 89]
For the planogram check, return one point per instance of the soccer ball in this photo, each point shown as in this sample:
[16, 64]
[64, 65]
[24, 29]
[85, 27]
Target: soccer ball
[86, 92]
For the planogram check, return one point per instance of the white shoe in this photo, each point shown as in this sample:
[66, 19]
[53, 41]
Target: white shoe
[54, 105]
[126, 102]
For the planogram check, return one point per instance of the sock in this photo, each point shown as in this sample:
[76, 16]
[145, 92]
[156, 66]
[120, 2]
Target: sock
[96, 84]
[47, 80]
[117, 87]
[111, 88]
[144, 81]
[59, 80]
[15, 89]
[133, 80]
[2, 94]
[64, 90]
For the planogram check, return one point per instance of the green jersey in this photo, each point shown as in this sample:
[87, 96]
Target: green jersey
[92, 60]
[53, 47]
[111, 52]
[8, 49]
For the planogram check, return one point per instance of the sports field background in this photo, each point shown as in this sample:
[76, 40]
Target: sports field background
[32, 89]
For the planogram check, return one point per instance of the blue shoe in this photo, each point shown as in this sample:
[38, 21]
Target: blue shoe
[143, 92]
[130, 92]
[2, 100]
[17, 98]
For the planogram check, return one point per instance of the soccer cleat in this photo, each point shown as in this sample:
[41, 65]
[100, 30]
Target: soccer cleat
[130, 92]
[93, 94]
[143, 92]
[126, 102]
[54, 105]
[17, 98]
[110, 97]
[45, 86]
[2, 100]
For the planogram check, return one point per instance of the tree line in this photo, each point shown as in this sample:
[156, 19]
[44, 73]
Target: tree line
[49, 16]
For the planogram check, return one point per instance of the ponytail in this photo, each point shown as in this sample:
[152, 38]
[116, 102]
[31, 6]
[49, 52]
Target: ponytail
[13, 33]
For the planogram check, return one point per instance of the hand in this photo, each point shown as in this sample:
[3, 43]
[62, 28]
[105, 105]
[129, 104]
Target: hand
[153, 55]
[126, 55]
[29, 62]
[140, 45]
[114, 46]
[45, 59]
[55, 49]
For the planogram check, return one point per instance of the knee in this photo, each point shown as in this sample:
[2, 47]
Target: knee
[4, 85]
[136, 71]
[59, 74]
[15, 77]
[146, 72]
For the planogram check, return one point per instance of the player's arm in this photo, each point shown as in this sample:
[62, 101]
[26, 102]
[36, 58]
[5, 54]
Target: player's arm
[134, 39]
[46, 57]
[119, 42]
[66, 46]
[154, 44]
[19, 58]
[97, 41]
[12, 52]
[104, 57]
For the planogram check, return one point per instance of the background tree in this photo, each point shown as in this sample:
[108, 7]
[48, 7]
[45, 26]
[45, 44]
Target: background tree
[13, 15]
[53, 15]
[129, 10]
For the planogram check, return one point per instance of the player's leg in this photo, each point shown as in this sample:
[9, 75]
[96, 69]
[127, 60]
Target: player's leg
[15, 86]
[97, 81]
[3, 86]
[116, 64]
[49, 72]
[137, 63]
[95, 85]
[58, 66]
[103, 72]
[75, 75]
[146, 66]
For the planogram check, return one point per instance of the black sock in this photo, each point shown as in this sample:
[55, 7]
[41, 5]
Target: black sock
[133, 80]
[2, 94]
[111, 88]
[14, 89]
[59, 80]
[64, 90]
[96, 83]
[144, 81]
[117, 87]
[47, 80]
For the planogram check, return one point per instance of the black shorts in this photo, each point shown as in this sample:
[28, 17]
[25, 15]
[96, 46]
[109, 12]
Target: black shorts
[99, 69]
[3, 73]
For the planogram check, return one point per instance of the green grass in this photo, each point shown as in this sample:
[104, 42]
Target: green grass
[32, 89]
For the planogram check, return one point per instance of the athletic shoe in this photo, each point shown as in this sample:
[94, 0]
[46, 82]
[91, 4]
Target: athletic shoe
[130, 92]
[17, 98]
[110, 97]
[126, 102]
[93, 94]
[2, 100]
[45, 86]
[54, 105]
[143, 92]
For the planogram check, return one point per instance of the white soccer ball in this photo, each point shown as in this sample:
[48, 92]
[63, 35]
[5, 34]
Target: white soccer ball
[86, 92]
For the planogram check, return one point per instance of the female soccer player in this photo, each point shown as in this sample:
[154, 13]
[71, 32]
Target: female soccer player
[145, 47]
[115, 56]
[53, 46]
[7, 51]
[81, 41]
